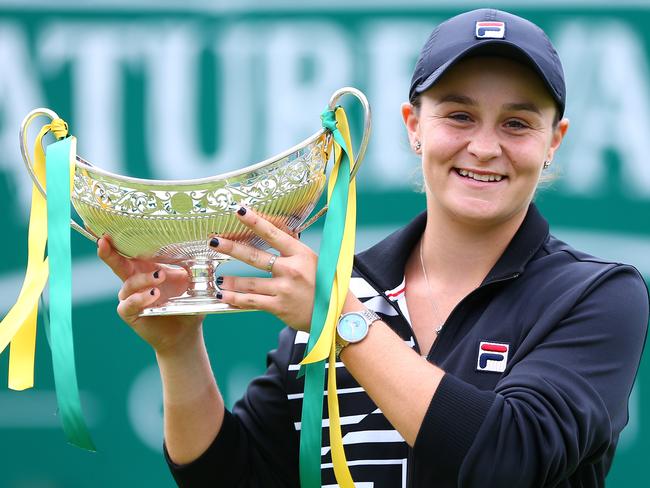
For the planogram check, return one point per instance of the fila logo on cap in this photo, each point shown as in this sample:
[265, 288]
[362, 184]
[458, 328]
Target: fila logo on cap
[490, 30]
[492, 356]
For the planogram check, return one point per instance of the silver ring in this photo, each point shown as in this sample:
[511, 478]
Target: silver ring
[269, 265]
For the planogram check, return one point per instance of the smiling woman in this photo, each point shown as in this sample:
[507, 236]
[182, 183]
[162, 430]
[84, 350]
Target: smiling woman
[475, 348]
[485, 130]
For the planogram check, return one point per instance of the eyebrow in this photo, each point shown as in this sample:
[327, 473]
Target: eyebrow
[454, 98]
[513, 107]
[527, 106]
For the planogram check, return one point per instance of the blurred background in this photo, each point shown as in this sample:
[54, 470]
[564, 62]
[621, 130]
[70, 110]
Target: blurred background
[187, 89]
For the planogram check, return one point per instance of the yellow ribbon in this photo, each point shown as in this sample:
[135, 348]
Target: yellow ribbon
[18, 328]
[326, 345]
[341, 286]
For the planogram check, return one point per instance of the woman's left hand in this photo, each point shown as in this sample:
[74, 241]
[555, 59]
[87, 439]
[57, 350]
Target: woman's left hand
[289, 292]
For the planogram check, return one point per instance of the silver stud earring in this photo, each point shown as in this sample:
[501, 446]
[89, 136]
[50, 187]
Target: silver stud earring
[417, 145]
[547, 164]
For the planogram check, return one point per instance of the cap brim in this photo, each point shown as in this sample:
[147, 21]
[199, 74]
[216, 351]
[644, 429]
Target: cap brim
[494, 47]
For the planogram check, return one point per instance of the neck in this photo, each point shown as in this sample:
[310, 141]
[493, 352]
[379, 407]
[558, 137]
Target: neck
[455, 252]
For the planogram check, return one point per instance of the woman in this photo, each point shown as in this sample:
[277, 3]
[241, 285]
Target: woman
[496, 355]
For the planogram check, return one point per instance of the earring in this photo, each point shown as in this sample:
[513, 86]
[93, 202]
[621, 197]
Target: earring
[547, 164]
[417, 145]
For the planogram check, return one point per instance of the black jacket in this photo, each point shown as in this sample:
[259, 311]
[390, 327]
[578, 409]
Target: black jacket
[539, 361]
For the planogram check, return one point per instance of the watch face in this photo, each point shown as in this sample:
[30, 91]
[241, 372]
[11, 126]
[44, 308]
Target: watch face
[352, 327]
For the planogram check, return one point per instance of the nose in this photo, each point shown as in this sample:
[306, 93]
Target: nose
[484, 144]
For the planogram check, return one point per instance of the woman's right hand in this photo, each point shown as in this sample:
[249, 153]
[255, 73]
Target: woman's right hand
[145, 284]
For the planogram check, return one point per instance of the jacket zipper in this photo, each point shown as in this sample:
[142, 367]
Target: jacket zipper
[461, 303]
[409, 464]
[409, 468]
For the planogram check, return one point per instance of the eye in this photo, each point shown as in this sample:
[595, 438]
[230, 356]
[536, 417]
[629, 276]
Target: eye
[460, 117]
[516, 124]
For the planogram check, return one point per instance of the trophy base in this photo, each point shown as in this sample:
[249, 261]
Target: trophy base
[201, 296]
[191, 306]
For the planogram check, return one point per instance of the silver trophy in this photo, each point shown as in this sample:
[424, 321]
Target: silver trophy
[169, 221]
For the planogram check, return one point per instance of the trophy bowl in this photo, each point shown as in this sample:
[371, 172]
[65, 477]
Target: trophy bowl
[169, 221]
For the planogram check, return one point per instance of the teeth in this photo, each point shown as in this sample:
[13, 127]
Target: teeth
[474, 176]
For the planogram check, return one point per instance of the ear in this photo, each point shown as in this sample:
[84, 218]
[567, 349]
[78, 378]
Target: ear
[558, 135]
[412, 123]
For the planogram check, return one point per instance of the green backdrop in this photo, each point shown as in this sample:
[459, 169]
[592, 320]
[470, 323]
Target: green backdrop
[161, 91]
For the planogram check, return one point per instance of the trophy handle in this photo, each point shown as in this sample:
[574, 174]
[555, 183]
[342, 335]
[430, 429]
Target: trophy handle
[348, 90]
[24, 126]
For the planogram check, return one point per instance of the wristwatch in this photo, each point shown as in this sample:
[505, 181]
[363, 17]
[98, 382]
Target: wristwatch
[353, 327]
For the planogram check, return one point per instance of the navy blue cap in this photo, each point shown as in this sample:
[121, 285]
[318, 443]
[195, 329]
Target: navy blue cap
[492, 33]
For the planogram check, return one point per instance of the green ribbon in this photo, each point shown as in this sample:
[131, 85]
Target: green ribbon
[312, 406]
[58, 158]
[45, 312]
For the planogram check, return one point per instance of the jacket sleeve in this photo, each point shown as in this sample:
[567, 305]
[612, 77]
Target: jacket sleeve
[257, 444]
[563, 403]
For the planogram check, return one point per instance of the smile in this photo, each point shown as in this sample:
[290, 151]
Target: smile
[487, 177]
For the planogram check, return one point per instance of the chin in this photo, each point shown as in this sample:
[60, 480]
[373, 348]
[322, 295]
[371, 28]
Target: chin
[478, 212]
[487, 213]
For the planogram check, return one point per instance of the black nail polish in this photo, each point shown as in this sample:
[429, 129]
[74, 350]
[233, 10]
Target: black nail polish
[214, 242]
[219, 280]
[152, 292]
[241, 211]
[156, 274]
[219, 295]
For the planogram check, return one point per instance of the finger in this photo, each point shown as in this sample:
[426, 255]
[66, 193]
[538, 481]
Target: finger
[131, 307]
[276, 238]
[140, 281]
[286, 230]
[250, 255]
[257, 286]
[248, 301]
[120, 265]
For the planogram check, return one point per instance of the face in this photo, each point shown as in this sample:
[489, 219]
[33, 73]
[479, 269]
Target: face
[485, 129]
